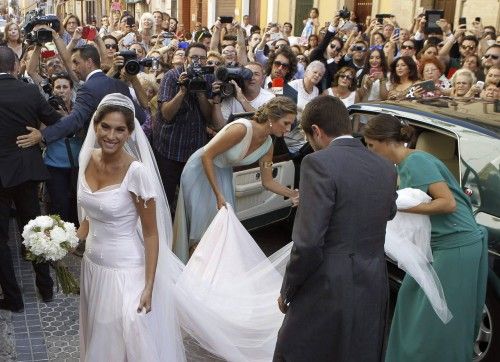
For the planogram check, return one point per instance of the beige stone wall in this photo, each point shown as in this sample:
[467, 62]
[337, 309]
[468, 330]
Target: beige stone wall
[488, 10]
[405, 11]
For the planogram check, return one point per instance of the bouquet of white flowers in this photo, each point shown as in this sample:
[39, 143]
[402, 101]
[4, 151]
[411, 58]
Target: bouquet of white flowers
[49, 239]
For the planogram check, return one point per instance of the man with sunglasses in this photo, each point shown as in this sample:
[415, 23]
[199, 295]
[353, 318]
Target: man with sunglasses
[491, 58]
[356, 55]
[182, 120]
[281, 63]
[467, 47]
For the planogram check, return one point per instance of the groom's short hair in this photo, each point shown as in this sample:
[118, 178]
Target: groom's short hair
[329, 114]
[7, 59]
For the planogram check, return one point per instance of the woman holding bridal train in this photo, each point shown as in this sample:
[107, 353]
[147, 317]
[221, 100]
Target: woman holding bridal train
[126, 304]
[458, 249]
[207, 179]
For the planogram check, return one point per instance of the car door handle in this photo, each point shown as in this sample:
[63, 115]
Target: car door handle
[248, 189]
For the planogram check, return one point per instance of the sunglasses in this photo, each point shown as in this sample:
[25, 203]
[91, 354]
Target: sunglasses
[358, 48]
[197, 58]
[407, 47]
[346, 76]
[492, 56]
[58, 75]
[333, 46]
[467, 47]
[111, 46]
[279, 64]
[214, 64]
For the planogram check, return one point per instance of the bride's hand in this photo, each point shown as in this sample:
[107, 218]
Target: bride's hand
[221, 202]
[145, 301]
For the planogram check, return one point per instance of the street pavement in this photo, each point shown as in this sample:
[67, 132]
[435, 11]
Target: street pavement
[49, 331]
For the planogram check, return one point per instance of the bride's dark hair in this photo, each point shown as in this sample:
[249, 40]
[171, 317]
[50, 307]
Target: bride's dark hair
[275, 109]
[103, 110]
[387, 127]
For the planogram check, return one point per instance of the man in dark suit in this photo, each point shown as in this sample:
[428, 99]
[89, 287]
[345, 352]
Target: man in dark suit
[86, 65]
[335, 289]
[21, 170]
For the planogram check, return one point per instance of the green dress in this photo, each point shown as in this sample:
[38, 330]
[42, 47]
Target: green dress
[459, 248]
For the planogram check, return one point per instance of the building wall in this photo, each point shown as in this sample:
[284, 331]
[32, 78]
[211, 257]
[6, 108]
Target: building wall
[405, 11]
[488, 10]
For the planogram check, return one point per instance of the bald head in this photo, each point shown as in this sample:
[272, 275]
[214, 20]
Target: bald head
[7, 60]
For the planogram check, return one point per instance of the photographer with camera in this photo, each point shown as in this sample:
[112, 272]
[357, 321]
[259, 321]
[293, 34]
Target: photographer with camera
[184, 113]
[61, 156]
[247, 98]
[54, 63]
[86, 65]
[126, 66]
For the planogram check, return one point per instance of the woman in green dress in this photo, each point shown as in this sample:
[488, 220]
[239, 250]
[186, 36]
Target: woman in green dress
[459, 248]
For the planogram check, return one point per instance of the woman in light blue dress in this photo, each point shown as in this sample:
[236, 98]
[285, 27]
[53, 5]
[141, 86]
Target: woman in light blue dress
[207, 179]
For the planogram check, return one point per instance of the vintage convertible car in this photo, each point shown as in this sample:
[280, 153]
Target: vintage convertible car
[464, 134]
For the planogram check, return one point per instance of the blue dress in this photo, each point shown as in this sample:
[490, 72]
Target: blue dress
[197, 204]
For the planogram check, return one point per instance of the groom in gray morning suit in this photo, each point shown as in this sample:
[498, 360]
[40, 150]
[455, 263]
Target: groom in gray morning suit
[335, 289]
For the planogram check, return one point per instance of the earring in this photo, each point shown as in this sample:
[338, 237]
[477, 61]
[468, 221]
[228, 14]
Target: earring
[270, 124]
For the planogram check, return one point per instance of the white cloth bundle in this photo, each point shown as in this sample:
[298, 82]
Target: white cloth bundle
[407, 242]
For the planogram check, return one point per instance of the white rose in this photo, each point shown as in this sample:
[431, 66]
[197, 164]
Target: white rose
[71, 237]
[44, 221]
[58, 235]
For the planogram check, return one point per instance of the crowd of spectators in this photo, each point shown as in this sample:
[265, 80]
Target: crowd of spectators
[349, 58]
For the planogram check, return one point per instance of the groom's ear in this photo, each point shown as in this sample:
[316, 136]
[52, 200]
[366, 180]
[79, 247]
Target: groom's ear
[316, 131]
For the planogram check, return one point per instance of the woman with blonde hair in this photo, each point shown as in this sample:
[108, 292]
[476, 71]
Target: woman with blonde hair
[207, 178]
[146, 29]
[12, 39]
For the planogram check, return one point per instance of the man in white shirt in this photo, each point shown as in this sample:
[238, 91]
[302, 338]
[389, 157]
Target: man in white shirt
[248, 99]
[245, 24]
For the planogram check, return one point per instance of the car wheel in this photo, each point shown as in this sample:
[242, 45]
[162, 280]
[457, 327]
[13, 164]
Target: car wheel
[487, 345]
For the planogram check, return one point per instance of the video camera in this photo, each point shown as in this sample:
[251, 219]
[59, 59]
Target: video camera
[37, 17]
[225, 75]
[55, 101]
[344, 13]
[196, 77]
[133, 66]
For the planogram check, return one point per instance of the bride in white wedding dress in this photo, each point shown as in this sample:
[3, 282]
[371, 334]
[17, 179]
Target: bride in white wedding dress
[223, 300]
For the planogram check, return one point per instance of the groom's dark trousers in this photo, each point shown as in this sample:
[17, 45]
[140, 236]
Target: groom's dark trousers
[21, 170]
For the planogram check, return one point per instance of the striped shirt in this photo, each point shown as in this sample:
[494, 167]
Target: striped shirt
[178, 139]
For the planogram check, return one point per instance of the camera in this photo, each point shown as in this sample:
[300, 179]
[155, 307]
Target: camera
[225, 75]
[133, 66]
[37, 17]
[54, 100]
[196, 77]
[344, 13]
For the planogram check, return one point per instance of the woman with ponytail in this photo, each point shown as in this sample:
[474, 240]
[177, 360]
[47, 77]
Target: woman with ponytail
[459, 250]
[207, 179]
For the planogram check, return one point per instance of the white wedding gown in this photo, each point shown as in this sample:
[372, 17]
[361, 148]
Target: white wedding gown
[112, 280]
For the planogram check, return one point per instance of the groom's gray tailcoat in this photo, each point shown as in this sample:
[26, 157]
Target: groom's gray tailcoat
[336, 280]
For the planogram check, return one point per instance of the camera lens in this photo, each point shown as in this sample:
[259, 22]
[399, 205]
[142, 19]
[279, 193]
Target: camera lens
[132, 67]
[227, 90]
